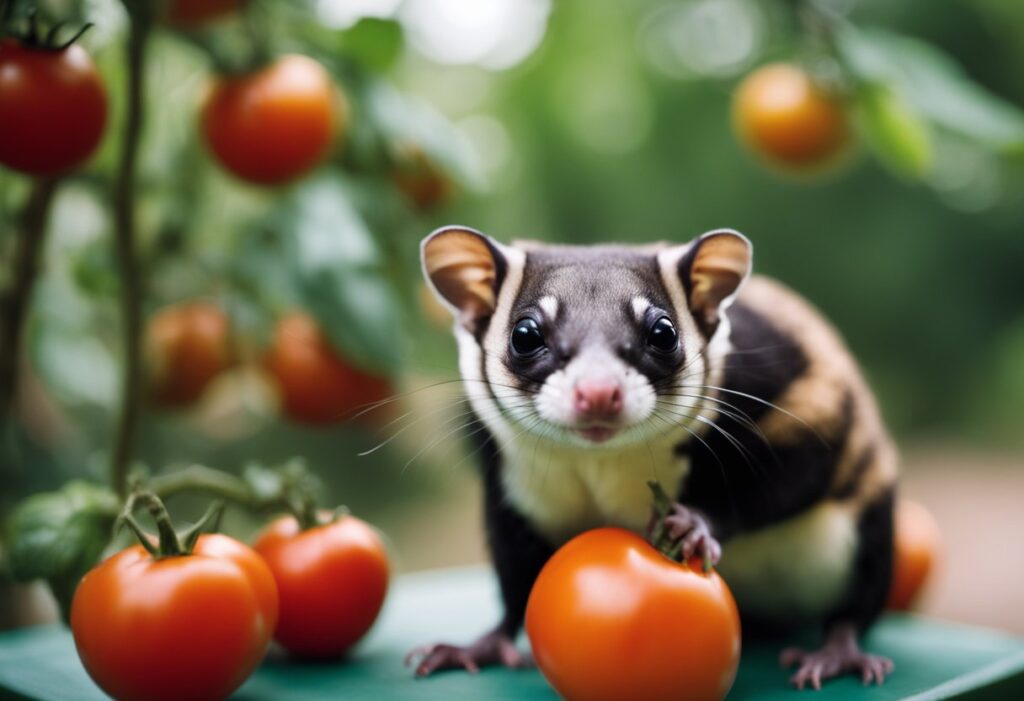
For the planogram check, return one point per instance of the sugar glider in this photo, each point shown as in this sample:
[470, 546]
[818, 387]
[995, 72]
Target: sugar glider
[594, 369]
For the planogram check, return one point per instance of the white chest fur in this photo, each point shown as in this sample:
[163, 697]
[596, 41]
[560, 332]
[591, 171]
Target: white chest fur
[795, 569]
[564, 491]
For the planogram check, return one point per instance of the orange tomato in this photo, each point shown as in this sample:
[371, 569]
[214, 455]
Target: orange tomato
[274, 125]
[194, 13]
[53, 108]
[181, 627]
[611, 618]
[317, 385]
[784, 117]
[332, 581]
[918, 543]
[187, 346]
[420, 180]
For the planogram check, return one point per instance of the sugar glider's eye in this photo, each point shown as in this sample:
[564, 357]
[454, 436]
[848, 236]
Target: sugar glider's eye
[662, 336]
[527, 339]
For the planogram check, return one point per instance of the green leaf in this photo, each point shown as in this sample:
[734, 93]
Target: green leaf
[375, 42]
[894, 132]
[936, 86]
[341, 276]
[59, 536]
[406, 122]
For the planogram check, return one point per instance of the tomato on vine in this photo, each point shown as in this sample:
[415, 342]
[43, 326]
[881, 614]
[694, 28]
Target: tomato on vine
[332, 578]
[419, 179]
[273, 125]
[53, 107]
[783, 116]
[188, 345]
[316, 383]
[185, 620]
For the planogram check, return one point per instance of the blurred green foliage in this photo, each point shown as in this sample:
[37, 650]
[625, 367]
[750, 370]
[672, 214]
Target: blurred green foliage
[601, 134]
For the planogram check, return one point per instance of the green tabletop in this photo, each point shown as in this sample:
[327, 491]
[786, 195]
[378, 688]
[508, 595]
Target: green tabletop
[933, 660]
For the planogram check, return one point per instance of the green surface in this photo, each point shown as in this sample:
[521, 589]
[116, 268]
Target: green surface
[933, 660]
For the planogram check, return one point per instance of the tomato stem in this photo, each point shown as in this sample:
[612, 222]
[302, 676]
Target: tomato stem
[292, 493]
[170, 543]
[140, 13]
[31, 35]
[15, 302]
[658, 535]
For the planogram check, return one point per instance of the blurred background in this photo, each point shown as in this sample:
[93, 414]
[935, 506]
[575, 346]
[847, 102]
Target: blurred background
[580, 121]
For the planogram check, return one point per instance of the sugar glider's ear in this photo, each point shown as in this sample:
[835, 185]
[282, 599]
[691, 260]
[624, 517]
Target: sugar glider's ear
[712, 270]
[465, 269]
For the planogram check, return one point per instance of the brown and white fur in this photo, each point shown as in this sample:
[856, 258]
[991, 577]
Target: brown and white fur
[670, 362]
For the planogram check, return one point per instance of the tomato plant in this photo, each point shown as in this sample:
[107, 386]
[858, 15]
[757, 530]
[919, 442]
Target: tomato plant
[179, 622]
[195, 13]
[53, 107]
[316, 383]
[273, 125]
[610, 617]
[783, 116]
[188, 345]
[917, 546]
[332, 580]
[422, 182]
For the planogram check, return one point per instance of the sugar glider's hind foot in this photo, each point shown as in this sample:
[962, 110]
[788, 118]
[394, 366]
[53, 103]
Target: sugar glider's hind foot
[494, 648]
[840, 655]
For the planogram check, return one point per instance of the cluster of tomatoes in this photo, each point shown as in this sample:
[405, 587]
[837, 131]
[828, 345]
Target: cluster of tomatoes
[190, 344]
[268, 126]
[195, 624]
[789, 120]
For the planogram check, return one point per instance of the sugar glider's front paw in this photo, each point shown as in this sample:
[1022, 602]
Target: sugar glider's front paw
[494, 648]
[691, 533]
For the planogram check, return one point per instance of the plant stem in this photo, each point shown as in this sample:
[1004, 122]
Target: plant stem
[197, 478]
[291, 495]
[15, 302]
[127, 258]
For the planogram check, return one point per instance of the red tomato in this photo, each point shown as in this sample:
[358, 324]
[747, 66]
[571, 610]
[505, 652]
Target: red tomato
[611, 618]
[918, 543]
[53, 108]
[181, 627]
[273, 125]
[332, 580]
[195, 13]
[188, 345]
[317, 385]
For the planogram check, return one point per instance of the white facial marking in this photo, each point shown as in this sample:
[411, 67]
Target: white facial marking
[549, 305]
[640, 305]
[556, 399]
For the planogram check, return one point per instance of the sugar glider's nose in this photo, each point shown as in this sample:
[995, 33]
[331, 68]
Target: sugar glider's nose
[597, 397]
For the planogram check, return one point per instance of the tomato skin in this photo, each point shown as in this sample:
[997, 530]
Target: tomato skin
[195, 13]
[317, 385]
[187, 627]
[611, 618]
[188, 345]
[274, 125]
[53, 108]
[783, 116]
[918, 544]
[332, 581]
